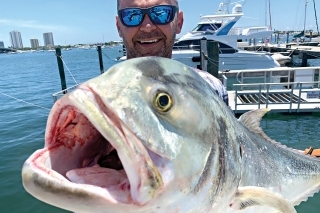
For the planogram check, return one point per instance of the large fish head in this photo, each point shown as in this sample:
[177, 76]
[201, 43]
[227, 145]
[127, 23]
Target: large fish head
[149, 135]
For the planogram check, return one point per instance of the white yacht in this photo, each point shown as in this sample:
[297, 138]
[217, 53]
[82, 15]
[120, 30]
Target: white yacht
[229, 58]
[220, 27]
[316, 39]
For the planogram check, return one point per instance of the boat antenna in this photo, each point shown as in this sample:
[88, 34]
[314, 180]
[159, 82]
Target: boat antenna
[315, 13]
[224, 6]
[238, 2]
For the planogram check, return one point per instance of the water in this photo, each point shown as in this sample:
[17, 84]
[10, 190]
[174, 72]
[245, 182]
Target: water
[34, 77]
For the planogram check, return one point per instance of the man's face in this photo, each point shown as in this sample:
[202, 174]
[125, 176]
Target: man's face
[149, 39]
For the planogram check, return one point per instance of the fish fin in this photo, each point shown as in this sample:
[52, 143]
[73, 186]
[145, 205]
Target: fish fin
[252, 121]
[257, 196]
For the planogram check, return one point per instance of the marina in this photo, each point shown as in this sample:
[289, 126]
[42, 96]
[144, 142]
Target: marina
[22, 124]
[282, 89]
[31, 80]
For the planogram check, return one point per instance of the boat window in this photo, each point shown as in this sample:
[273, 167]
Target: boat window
[205, 27]
[187, 44]
[195, 45]
[226, 49]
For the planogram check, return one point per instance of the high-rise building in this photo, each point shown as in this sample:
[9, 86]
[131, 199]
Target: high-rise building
[1, 44]
[48, 39]
[34, 43]
[16, 40]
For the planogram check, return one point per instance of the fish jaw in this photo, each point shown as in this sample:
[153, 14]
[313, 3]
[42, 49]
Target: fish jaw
[143, 179]
[40, 181]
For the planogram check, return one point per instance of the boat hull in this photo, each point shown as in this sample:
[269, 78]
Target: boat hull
[235, 61]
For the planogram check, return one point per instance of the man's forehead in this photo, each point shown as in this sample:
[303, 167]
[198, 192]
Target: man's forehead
[144, 3]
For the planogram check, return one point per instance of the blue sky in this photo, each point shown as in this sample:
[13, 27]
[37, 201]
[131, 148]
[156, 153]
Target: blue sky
[84, 21]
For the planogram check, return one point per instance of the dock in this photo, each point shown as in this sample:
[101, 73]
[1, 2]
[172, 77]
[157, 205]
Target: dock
[279, 101]
[6, 50]
[283, 90]
[302, 51]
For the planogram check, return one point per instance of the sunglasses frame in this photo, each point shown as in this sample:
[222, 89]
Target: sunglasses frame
[145, 11]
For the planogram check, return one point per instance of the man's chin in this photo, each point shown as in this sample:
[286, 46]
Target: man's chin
[154, 49]
[160, 53]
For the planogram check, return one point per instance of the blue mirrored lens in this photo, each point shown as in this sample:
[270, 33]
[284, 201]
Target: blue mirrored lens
[162, 14]
[132, 17]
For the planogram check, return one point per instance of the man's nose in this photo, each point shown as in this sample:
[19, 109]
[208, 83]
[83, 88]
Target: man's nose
[147, 25]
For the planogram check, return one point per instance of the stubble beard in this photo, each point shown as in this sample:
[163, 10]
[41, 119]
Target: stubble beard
[164, 51]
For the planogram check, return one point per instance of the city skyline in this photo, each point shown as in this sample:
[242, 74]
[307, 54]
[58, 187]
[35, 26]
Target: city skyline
[16, 40]
[67, 21]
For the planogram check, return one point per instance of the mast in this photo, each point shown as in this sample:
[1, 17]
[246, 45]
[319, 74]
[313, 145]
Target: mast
[266, 13]
[315, 14]
[270, 15]
[305, 17]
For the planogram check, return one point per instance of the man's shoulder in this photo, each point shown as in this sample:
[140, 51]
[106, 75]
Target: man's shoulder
[215, 83]
[208, 77]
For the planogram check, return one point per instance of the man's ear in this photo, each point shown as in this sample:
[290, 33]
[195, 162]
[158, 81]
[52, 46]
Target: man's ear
[118, 26]
[179, 22]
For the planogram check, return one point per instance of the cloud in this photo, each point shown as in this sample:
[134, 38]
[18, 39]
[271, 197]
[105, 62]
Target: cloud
[32, 24]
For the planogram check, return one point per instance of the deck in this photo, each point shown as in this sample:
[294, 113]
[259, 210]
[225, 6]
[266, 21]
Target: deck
[280, 101]
[303, 52]
[283, 90]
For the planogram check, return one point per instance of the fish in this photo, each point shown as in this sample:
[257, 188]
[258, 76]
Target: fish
[151, 135]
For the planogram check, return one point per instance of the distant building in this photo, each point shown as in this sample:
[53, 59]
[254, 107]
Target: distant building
[16, 41]
[1, 44]
[48, 39]
[34, 43]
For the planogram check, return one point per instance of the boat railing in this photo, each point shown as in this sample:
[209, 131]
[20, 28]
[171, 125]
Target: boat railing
[59, 94]
[277, 75]
[266, 97]
[222, 50]
[248, 30]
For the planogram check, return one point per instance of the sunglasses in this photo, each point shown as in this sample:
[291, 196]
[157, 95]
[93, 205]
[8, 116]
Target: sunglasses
[160, 15]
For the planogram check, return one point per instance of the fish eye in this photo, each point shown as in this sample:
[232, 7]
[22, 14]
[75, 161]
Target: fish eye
[163, 102]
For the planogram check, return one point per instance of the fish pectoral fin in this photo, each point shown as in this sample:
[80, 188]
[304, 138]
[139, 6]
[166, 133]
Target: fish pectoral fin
[257, 196]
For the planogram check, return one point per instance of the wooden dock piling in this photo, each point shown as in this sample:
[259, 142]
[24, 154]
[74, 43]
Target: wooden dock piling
[100, 59]
[213, 55]
[61, 70]
[304, 59]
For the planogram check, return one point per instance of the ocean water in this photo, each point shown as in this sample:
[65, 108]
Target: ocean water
[27, 83]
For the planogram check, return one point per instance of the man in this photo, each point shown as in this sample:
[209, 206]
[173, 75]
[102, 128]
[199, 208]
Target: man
[149, 28]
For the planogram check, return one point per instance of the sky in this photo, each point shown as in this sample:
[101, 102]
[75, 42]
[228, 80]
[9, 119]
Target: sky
[93, 21]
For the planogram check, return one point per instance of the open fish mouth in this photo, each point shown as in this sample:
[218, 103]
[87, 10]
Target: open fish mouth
[90, 152]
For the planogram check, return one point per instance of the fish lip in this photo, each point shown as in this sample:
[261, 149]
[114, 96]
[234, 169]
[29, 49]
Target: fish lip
[144, 178]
